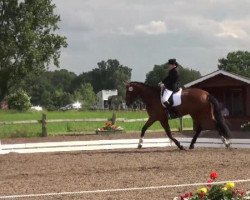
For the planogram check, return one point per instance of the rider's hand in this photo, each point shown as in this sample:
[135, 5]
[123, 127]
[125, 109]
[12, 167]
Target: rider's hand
[161, 84]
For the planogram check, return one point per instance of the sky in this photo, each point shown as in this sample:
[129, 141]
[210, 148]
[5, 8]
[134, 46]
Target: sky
[143, 33]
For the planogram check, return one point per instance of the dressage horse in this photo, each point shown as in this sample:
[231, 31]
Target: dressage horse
[199, 104]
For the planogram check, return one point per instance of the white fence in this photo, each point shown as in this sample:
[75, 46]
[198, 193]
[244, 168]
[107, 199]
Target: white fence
[114, 144]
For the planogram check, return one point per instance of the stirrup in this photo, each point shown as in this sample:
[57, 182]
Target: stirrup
[170, 110]
[166, 104]
[172, 116]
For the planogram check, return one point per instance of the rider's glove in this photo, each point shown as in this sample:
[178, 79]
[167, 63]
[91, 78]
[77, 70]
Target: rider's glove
[161, 84]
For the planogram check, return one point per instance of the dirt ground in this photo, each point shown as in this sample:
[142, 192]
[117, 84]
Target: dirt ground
[78, 171]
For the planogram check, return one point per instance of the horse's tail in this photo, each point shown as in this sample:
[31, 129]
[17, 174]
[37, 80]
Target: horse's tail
[220, 120]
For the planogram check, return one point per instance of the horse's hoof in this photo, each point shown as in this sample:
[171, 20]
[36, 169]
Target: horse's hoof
[191, 147]
[228, 145]
[139, 146]
[182, 148]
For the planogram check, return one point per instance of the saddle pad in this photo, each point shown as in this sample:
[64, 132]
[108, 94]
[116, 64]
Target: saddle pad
[177, 98]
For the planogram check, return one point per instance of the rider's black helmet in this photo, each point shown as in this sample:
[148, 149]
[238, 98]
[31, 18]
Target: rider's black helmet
[172, 62]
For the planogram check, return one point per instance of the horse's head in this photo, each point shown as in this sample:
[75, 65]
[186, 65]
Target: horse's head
[131, 93]
[137, 90]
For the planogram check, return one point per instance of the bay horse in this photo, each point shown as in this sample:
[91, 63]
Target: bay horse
[199, 104]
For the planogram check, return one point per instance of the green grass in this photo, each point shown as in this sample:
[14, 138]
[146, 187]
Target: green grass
[15, 116]
[31, 130]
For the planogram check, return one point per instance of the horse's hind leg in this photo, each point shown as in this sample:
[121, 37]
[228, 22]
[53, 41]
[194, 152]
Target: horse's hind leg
[166, 127]
[224, 137]
[224, 133]
[144, 128]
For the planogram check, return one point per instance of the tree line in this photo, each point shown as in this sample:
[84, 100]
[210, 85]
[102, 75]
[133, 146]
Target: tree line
[54, 89]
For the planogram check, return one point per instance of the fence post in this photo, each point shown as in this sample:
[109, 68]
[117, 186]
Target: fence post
[181, 124]
[44, 125]
[113, 119]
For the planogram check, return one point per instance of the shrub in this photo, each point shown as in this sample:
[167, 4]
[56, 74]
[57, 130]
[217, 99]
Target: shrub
[19, 100]
[226, 191]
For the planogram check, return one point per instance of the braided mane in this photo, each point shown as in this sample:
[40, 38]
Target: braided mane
[154, 89]
[145, 85]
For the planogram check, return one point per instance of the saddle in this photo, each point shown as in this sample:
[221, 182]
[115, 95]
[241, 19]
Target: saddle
[174, 100]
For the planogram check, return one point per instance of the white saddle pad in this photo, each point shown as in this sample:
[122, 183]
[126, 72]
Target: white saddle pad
[177, 98]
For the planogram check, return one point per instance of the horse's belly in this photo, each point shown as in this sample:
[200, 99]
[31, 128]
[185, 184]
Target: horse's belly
[208, 125]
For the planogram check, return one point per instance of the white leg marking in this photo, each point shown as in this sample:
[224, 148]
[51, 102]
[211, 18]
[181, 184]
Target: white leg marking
[140, 143]
[226, 142]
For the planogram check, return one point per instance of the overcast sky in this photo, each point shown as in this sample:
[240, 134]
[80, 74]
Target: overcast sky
[142, 33]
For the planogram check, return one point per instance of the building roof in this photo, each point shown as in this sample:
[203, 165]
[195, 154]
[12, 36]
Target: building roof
[218, 72]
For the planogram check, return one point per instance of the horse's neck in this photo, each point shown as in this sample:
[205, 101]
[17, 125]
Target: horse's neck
[146, 96]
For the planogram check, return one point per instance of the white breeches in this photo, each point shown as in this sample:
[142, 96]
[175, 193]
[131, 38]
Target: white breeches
[166, 95]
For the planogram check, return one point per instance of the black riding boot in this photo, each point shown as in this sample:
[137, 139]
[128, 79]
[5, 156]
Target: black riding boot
[172, 114]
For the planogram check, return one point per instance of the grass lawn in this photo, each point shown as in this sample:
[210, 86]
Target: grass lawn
[30, 130]
[15, 115]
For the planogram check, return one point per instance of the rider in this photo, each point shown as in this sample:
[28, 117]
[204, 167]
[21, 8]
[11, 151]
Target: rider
[171, 83]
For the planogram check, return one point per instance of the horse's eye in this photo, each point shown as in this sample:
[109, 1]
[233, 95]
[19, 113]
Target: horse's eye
[130, 89]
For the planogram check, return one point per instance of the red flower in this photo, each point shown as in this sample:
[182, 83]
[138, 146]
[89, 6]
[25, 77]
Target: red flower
[239, 192]
[213, 175]
[186, 195]
[242, 193]
[209, 183]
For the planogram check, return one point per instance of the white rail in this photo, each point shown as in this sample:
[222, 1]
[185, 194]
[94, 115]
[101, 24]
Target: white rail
[114, 144]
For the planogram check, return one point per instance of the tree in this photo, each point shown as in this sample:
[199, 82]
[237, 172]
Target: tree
[62, 79]
[109, 74]
[237, 62]
[28, 43]
[61, 98]
[159, 72]
[56, 99]
[187, 75]
[156, 75]
[47, 82]
[85, 93]
[121, 75]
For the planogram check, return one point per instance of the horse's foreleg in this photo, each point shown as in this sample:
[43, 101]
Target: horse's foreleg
[196, 135]
[144, 129]
[166, 127]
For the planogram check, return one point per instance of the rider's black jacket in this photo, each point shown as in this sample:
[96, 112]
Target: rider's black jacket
[172, 81]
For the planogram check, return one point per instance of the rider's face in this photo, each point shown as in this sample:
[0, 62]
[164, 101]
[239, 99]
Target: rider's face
[171, 66]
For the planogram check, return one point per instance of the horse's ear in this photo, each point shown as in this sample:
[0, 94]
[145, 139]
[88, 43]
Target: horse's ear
[126, 82]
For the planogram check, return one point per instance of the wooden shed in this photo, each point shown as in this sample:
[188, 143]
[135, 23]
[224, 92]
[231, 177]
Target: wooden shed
[232, 91]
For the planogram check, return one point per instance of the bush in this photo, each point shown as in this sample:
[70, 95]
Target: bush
[19, 100]
[213, 191]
